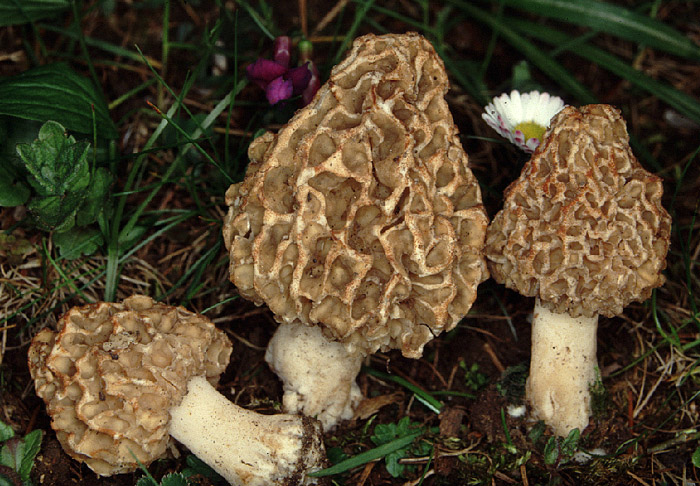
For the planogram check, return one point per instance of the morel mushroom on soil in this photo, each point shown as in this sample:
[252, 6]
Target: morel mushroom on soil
[119, 379]
[582, 230]
[360, 223]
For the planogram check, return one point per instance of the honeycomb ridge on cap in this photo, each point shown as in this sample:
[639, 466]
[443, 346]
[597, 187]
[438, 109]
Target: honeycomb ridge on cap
[112, 371]
[361, 214]
[583, 227]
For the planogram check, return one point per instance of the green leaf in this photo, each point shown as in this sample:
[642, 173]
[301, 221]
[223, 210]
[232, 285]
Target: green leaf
[615, 20]
[96, 198]
[56, 162]
[14, 12]
[570, 444]
[32, 444]
[696, 457]
[393, 466]
[174, 479]
[551, 451]
[78, 241]
[196, 466]
[11, 453]
[5, 481]
[129, 238]
[56, 92]
[12, 191]
[55, 212]
[386, 433]
[6, 432]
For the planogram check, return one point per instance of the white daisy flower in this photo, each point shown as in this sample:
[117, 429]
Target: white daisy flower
[522, 118]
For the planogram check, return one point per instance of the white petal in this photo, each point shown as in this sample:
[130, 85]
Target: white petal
[508, 110]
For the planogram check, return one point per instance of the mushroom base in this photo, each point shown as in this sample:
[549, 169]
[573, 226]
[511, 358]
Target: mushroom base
[562, 369]
[245, 447]
[318, 374]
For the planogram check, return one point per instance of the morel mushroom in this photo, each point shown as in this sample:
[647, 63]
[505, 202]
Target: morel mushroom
[361, 219]
[584, 231]
[119, 379]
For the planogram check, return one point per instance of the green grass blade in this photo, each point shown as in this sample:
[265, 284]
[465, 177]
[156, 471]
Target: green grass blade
[62, 274]
[196, 270]
[684, 104]
[535, 55]
[108, 47]
[256, 18]
[421, 395]
[367, 456]
[363, 7]
[14, 12]
[613, 19]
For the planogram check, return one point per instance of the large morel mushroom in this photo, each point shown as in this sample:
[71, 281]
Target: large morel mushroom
[582, 230]
[119, 379]
[359, 224]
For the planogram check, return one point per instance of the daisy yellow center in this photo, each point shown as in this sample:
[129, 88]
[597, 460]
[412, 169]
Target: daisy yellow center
[531, 130]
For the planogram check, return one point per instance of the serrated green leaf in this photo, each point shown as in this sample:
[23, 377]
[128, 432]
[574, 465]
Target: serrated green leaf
[174, 479]
[12, 191]
[6, 432]
[55, 212]
[56, 92]
[32, 444]
[146, 481]
[615, 20]
[77, 242]
[97, 197]
[56, 162]
[14, 12]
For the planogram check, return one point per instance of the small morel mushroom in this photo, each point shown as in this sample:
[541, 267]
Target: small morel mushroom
[119, 379]
[582, 230]
[359, 224]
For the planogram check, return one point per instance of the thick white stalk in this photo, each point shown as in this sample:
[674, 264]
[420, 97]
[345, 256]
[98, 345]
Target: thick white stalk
[562, 369]
[318, 374]
[245, 447]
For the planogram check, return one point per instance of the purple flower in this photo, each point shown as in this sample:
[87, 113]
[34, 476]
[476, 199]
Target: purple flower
[276, 78]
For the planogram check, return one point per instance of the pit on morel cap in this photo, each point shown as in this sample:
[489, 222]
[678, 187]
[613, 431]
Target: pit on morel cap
[119, 379]
[360, 218]
[582, 230]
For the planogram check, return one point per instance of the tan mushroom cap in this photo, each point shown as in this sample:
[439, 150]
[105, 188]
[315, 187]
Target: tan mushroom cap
[113, 370]
[583, 227]
[361, 215]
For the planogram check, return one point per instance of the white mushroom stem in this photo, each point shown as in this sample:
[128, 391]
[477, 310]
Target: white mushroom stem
[562, 369]
[245, 447]
[318, 374]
